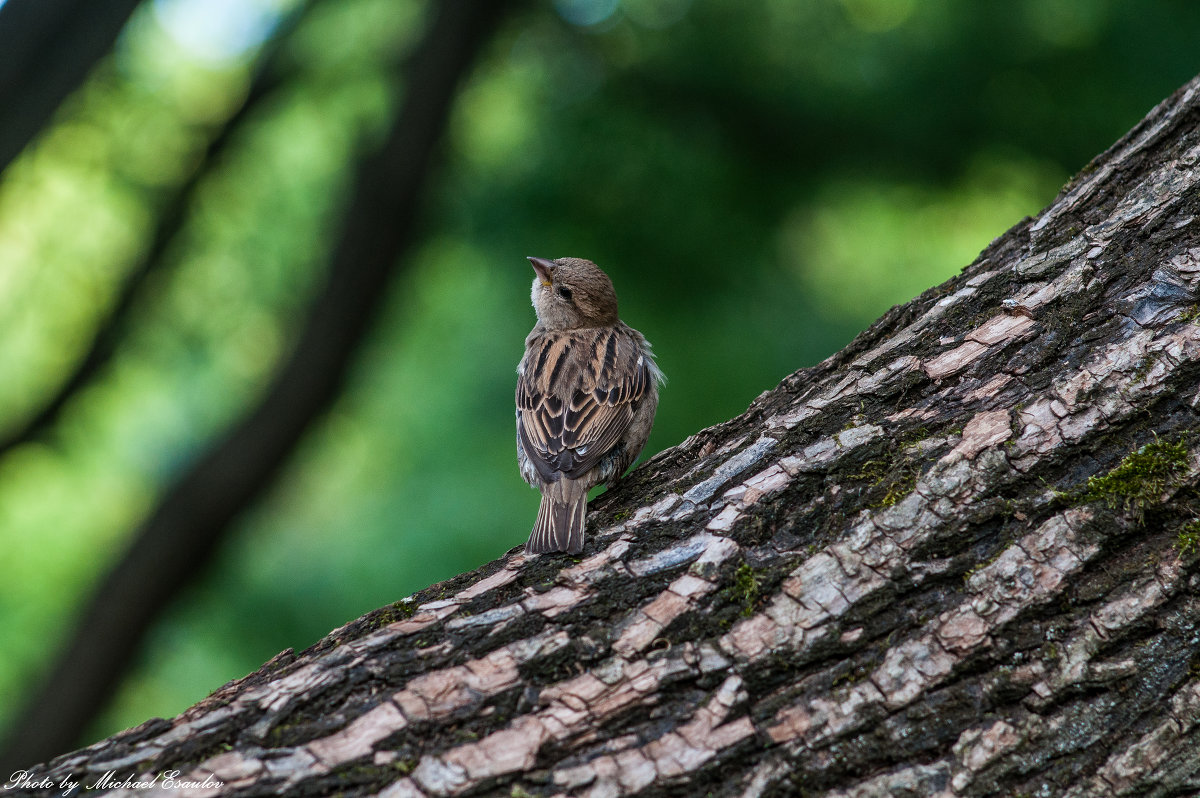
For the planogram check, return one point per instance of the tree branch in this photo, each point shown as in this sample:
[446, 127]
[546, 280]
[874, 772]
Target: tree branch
[179, 537]
[171, 219]
[49, 48]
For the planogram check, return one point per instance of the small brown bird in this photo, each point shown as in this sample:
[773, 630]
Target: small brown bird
[587, 389]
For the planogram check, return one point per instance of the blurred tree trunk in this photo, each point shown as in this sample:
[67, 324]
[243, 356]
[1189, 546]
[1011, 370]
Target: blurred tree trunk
[176, 541]
[172, 215]
[48, 47]
[957, 558]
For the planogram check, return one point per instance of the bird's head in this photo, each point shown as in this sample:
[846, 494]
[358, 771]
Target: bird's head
[570, 293]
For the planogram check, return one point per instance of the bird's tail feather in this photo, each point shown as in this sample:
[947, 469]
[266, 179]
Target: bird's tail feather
[559, 526]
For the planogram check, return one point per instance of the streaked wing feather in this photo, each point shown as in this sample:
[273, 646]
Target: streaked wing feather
[569, 437]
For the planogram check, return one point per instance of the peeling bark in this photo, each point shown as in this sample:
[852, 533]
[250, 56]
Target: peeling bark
[958, 558]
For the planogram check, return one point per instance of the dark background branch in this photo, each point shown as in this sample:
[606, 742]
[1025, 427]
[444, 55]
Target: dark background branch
[181, 534]
[172, 217]
[48, 47]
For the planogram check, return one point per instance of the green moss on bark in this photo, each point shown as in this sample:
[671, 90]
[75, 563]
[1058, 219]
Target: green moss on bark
[1141, 479]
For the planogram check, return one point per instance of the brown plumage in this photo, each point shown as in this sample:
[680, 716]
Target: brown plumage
[587, 389]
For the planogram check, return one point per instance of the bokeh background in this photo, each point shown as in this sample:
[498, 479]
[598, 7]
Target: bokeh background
[761, 178]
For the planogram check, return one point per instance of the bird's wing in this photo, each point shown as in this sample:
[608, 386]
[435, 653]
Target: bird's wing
[576, 394]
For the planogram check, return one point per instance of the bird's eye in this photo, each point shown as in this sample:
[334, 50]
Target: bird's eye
[564, 292]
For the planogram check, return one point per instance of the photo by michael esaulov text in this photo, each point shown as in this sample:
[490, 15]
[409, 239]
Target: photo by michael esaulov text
[68, 785]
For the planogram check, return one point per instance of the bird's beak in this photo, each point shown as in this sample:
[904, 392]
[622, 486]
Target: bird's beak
[544, 267]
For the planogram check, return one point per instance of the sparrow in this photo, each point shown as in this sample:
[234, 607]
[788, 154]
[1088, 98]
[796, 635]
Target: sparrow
[587, 389]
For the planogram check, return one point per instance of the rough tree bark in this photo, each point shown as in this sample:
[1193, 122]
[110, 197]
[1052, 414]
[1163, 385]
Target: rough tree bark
[957, 558]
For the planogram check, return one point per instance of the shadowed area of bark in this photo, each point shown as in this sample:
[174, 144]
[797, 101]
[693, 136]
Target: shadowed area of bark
[958, 558]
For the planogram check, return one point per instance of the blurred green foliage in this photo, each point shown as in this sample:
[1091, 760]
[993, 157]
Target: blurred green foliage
[761, 180]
